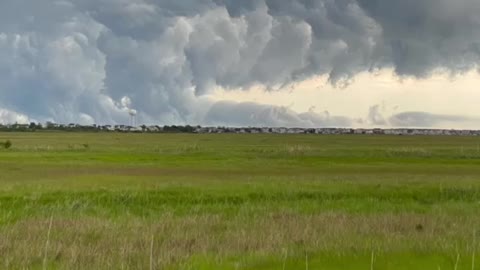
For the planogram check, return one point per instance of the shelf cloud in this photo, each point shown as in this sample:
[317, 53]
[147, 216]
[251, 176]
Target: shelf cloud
[80, 60]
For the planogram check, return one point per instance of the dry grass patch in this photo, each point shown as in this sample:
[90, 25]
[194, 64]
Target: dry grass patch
[94, 243]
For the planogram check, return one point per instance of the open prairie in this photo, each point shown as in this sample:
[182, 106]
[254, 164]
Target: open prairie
[185, 201]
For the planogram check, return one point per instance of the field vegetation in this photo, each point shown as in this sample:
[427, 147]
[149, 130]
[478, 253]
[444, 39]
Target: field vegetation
[191, 201]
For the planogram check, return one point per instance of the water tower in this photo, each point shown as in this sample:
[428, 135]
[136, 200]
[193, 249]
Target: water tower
[133, 117]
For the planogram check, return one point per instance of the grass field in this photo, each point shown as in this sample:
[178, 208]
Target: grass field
[177, 201]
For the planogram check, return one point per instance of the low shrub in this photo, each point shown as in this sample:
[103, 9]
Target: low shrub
[7, 144]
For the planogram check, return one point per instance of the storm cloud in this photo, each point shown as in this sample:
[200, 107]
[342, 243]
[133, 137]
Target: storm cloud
[260, 115]
[76, 60]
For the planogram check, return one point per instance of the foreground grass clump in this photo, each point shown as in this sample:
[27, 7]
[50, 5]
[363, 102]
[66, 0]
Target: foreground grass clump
[140, 201]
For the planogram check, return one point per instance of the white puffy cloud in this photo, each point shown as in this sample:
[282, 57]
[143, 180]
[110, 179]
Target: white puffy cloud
[9, 117]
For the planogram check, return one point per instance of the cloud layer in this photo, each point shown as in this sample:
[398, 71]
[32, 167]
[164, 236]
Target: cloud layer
[79, 60]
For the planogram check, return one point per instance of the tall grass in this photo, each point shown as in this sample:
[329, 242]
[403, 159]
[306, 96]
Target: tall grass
[144, 201]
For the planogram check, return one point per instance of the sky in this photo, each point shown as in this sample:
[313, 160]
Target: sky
[291, 63]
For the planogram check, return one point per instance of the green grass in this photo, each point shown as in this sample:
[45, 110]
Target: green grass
[183, 201]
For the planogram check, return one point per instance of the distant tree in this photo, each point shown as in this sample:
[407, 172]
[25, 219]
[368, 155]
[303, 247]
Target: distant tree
[189, 129]
[32, 126]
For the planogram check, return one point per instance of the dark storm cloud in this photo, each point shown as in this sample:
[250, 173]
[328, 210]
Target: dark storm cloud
[421, 35]
[75, 60]
[260, 115]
